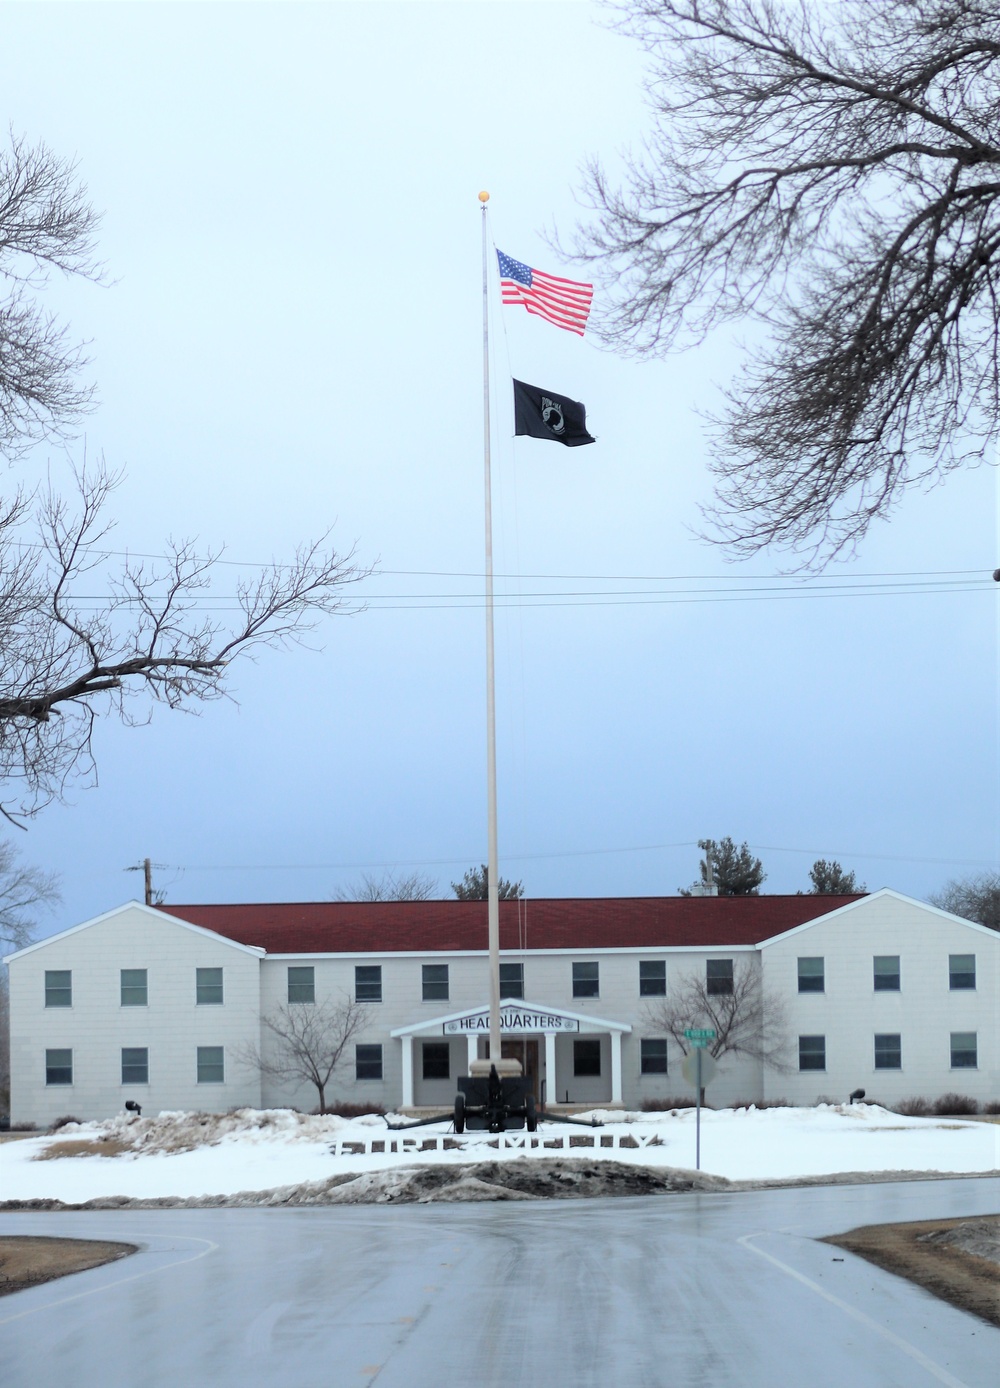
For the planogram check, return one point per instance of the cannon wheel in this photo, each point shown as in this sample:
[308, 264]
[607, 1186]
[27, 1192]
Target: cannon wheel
[530, 1117]
[460, 1113]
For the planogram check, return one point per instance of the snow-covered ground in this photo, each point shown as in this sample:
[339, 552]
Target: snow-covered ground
[184, 1155]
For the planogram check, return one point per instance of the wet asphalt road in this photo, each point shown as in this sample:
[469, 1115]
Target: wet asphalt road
[700, 1291]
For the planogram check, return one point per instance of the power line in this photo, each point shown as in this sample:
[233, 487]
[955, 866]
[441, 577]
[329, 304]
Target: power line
[678, 578]
[562, 577]
[816, 853]
[433, 602]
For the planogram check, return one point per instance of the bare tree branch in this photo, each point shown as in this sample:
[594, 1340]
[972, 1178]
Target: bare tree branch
[976, 898]
[143, 633]
[388, 886]
[308, 1042]
[46, 223]
[834, 171]
[69, 653]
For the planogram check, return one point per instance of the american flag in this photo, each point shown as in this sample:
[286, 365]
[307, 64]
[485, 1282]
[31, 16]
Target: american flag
[566, 303]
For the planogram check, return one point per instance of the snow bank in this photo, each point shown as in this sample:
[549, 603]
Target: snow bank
[188, 1156]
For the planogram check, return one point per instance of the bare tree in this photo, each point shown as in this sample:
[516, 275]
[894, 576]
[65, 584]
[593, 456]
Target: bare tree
[829, 878]
[474, 886]
[307, 1042]
[747, 1020]
[46, 224]
[830, 169]
[389, 886]
[70, 653]
[975, 898]
[24, 892]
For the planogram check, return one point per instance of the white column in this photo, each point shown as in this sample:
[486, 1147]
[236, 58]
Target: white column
[472, 1041]
[616, 1067]
[407, 1072]
[551, 1093]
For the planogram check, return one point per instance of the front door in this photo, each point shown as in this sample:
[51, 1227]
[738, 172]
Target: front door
[524, 1049]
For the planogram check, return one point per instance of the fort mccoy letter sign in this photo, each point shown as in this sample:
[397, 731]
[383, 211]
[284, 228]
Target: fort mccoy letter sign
[514, 1021]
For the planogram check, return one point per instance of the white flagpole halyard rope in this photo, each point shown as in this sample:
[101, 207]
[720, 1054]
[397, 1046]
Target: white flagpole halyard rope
[493, 884]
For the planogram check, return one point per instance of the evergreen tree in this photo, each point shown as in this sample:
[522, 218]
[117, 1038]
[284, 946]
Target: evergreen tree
[474, 886]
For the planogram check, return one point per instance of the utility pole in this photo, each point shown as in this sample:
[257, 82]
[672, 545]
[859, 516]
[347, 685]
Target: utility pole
[146, 868]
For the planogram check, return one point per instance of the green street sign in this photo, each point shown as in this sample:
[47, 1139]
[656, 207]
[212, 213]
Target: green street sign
[698, 1043]
[699, 1034]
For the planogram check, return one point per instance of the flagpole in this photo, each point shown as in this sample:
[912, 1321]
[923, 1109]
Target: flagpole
[493, 871]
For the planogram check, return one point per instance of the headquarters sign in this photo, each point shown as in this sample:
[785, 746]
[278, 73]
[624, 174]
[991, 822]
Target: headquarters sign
[514, 1021]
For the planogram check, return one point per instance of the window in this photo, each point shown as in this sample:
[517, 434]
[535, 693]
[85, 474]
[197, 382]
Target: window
[718, 976]
[888, 1051]
[587, 1057]
[367, 1062]
[134, 992]
[586, 983]
[437, 1058]
[653, 1055]
[59, 989]
[211, 1064]
[961, 971]
[886, 973]
[208, 987]
[812, 1052]
[811, 975]
[512, 980]
[368, 983]
[435, 981]
[58, 1067]
[135, 1065]
[652, 978]
[301, 983]
[964, 1050]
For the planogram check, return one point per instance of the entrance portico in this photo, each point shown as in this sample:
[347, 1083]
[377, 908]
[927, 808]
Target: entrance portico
[522, 1020]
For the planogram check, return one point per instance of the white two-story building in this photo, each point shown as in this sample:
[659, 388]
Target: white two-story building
[163, 1006]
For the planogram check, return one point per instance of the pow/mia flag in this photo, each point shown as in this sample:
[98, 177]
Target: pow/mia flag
[544, 415]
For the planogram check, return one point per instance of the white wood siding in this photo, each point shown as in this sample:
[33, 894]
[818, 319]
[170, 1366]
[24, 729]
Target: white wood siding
[96, 1027]
[924, 1013]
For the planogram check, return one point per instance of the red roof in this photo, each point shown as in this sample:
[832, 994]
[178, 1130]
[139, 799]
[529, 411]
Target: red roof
[386, 927]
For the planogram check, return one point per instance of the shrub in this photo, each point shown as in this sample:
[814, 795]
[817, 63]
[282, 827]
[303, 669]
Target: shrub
[992, 1106]
[23, 1127]
[62, 1122]
[913, 1108]
[660, 1105]
[345, 1110]
[956, 1105]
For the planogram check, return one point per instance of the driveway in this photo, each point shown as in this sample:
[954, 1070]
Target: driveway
[692, 1291]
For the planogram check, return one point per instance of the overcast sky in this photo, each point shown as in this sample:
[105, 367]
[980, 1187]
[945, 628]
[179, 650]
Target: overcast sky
[292, 340]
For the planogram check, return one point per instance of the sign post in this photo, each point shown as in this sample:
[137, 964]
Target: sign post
[703, 1070]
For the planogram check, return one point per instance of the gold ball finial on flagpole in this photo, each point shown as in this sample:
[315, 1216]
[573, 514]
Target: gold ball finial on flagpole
[484, 197]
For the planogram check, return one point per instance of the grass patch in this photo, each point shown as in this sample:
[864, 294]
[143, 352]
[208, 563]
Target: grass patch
[83, 1147]
[934, 1255]
[27, 1261]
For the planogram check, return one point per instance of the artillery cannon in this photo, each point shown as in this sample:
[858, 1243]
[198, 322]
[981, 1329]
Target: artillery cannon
[496, 1104]
[489, 1103]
